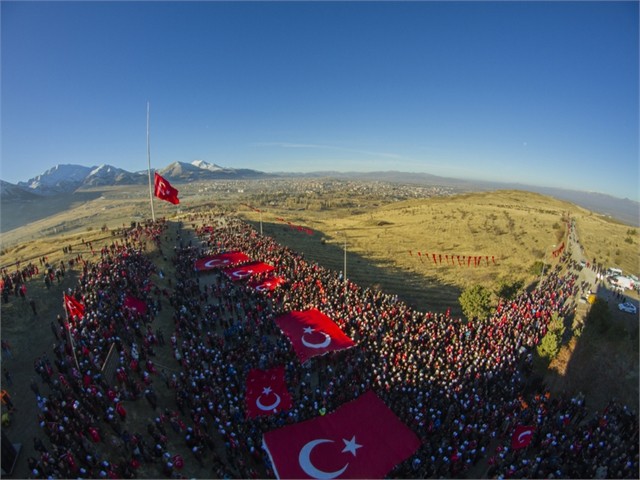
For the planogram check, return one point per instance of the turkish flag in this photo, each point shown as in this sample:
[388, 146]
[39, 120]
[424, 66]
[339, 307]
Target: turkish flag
[164, 191]
[266, 284]
[74, 307]
[246, 270]
[227, 259]
[135, 304]
[266, 392]
[522, 436]
[361, 439]
[312, 333]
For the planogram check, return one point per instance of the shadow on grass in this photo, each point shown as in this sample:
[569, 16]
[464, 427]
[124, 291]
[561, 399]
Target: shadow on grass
[602, 362]
[419, 292]
[18, 213]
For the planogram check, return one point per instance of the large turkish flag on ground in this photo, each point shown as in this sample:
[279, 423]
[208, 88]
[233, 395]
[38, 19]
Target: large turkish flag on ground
[522, 436]
[266, 392]
[266, 284]
[246, 270]
[221, 260]
[139, 306]
[312, 333]
[361, 439]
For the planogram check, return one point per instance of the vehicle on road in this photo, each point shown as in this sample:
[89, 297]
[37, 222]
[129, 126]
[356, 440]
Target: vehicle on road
[625, 283]
[628, 307]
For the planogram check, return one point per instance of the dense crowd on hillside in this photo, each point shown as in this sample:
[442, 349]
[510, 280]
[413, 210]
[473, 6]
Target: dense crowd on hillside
[462, 387]
[459, 385]
[81, 409]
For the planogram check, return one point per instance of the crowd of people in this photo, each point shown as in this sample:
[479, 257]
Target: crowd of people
[82, 411]
[461, 386]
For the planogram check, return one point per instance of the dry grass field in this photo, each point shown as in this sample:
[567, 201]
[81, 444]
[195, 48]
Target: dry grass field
[516, 228]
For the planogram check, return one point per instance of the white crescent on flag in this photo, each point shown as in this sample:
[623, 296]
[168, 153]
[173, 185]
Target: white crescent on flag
[240, 274]
[324, 344]
[304, 458]
[526, 433]
[272, 406]
[214, 262]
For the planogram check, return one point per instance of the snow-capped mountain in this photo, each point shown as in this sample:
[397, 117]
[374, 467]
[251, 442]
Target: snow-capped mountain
[206, 166]
[108, 175]
[61, 178]
[199, 170]
[68, 178]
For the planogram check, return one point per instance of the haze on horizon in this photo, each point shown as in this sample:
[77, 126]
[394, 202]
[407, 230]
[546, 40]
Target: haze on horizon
[537, 93]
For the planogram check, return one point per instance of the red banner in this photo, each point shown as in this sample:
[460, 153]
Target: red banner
[361, 439]
[312, 333]
[74, 307]
[135, 304]
[247, 270]
[461, 260]
[266, 284]
[266, 392]
[221, 260]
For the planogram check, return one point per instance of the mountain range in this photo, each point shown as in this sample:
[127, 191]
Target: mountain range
[65, 179]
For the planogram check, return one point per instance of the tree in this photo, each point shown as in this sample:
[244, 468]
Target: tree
[550, 344]
[476, 302]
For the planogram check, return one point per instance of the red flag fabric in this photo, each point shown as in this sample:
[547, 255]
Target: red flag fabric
[361, 439]
[135, 304]
[522, 436]
[266, 392]
[164, 191]
[246, 270]
[227, 259]
[74, 307]
[312, 333]
[266, 284]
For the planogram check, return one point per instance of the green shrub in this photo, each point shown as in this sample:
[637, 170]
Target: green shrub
[551, 342]
[549, 346]
[475, 301]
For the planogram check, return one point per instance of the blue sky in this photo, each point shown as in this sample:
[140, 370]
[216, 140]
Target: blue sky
[541, 93]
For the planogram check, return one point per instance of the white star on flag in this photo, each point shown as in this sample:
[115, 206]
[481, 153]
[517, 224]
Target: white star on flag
[266, 390]
[308, 330]
[351, 445]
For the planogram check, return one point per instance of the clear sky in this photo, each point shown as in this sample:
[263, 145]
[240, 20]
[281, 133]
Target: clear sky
[543, 93]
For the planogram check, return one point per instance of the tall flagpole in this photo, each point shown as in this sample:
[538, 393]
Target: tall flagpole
[153, 215]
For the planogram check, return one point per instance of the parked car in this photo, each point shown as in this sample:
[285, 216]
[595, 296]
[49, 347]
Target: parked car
[628, 307]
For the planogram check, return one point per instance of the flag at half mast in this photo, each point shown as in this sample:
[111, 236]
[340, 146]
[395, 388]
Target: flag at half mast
[164, 191]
